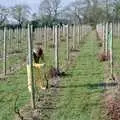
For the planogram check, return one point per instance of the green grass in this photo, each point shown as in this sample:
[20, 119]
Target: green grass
[116, 55]
[16, 84]
[80, 96]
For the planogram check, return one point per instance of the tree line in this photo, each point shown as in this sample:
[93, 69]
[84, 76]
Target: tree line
[51, 12]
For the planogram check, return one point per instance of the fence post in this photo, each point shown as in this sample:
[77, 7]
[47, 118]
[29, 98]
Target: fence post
[31, 67]
[4, 52]
[67, 42]
[53, 34]
[106, 44]
[45, 37]
[74, 32]
[17, 36]
[104, 34]
[78, 34]
[80, 31]
[111, 47]
[56, 48]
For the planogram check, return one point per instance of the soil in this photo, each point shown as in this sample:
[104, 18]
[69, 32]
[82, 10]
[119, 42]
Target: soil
[112, 101]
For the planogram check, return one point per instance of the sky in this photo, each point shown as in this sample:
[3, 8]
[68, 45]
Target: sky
[32, 3]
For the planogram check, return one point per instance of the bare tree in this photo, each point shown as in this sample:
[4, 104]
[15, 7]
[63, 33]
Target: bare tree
[75, 10]
[45, 8]
[50, 8]
[20, 13]
[3, 14]
[55, 7]
[85, 10]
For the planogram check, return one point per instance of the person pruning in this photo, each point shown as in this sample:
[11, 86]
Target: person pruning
[41, 81]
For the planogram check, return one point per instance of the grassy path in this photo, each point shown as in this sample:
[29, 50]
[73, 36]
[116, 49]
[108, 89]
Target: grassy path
[80, 93]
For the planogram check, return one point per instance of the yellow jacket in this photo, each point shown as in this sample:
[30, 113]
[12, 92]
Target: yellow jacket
[38, 76]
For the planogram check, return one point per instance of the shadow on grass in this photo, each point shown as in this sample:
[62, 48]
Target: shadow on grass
[91, 86]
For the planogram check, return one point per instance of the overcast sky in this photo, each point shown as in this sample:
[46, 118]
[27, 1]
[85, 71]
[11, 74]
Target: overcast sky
[32, 3]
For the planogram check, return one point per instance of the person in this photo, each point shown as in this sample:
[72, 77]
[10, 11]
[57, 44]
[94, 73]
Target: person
[39, 70]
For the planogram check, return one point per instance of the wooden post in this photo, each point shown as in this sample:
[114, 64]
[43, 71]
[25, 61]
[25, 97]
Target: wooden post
[30, 62]
[111, 47]
[17, 36]
[42, 36]
[20, 40]
[67, 42]
[81, 32]
[103, 35]
[13, 38]
[4, 53]
[74, 37]
[47, 32]
[8, 38]
[59, 33]
[22, 33]
[53, 35]
[31, 32]
[63, 31]
[78, 34]
[106, 44]
[45, 37]
[56, 49]
[35, 34]
[39, 34]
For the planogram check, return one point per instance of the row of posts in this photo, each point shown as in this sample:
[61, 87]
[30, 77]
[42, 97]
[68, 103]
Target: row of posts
[56, 35]
[66, 30]
[105, 32]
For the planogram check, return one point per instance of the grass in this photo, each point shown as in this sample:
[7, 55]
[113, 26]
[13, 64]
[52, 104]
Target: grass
[80, 95]
[16, 84]
[116, 55]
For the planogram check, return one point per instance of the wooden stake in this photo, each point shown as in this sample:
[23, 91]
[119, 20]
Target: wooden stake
[106, 39]
[103, 33]
[74, 37]
[59, 33]
[45, 37]
[4, 52]
[31, 32]
[78, 34]
[17, 36]
[53, 35]
[63, 31]
[81, 32]
[30, 62]
[111, 47]
[67, 42]
[39, 34]
[56, 49]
